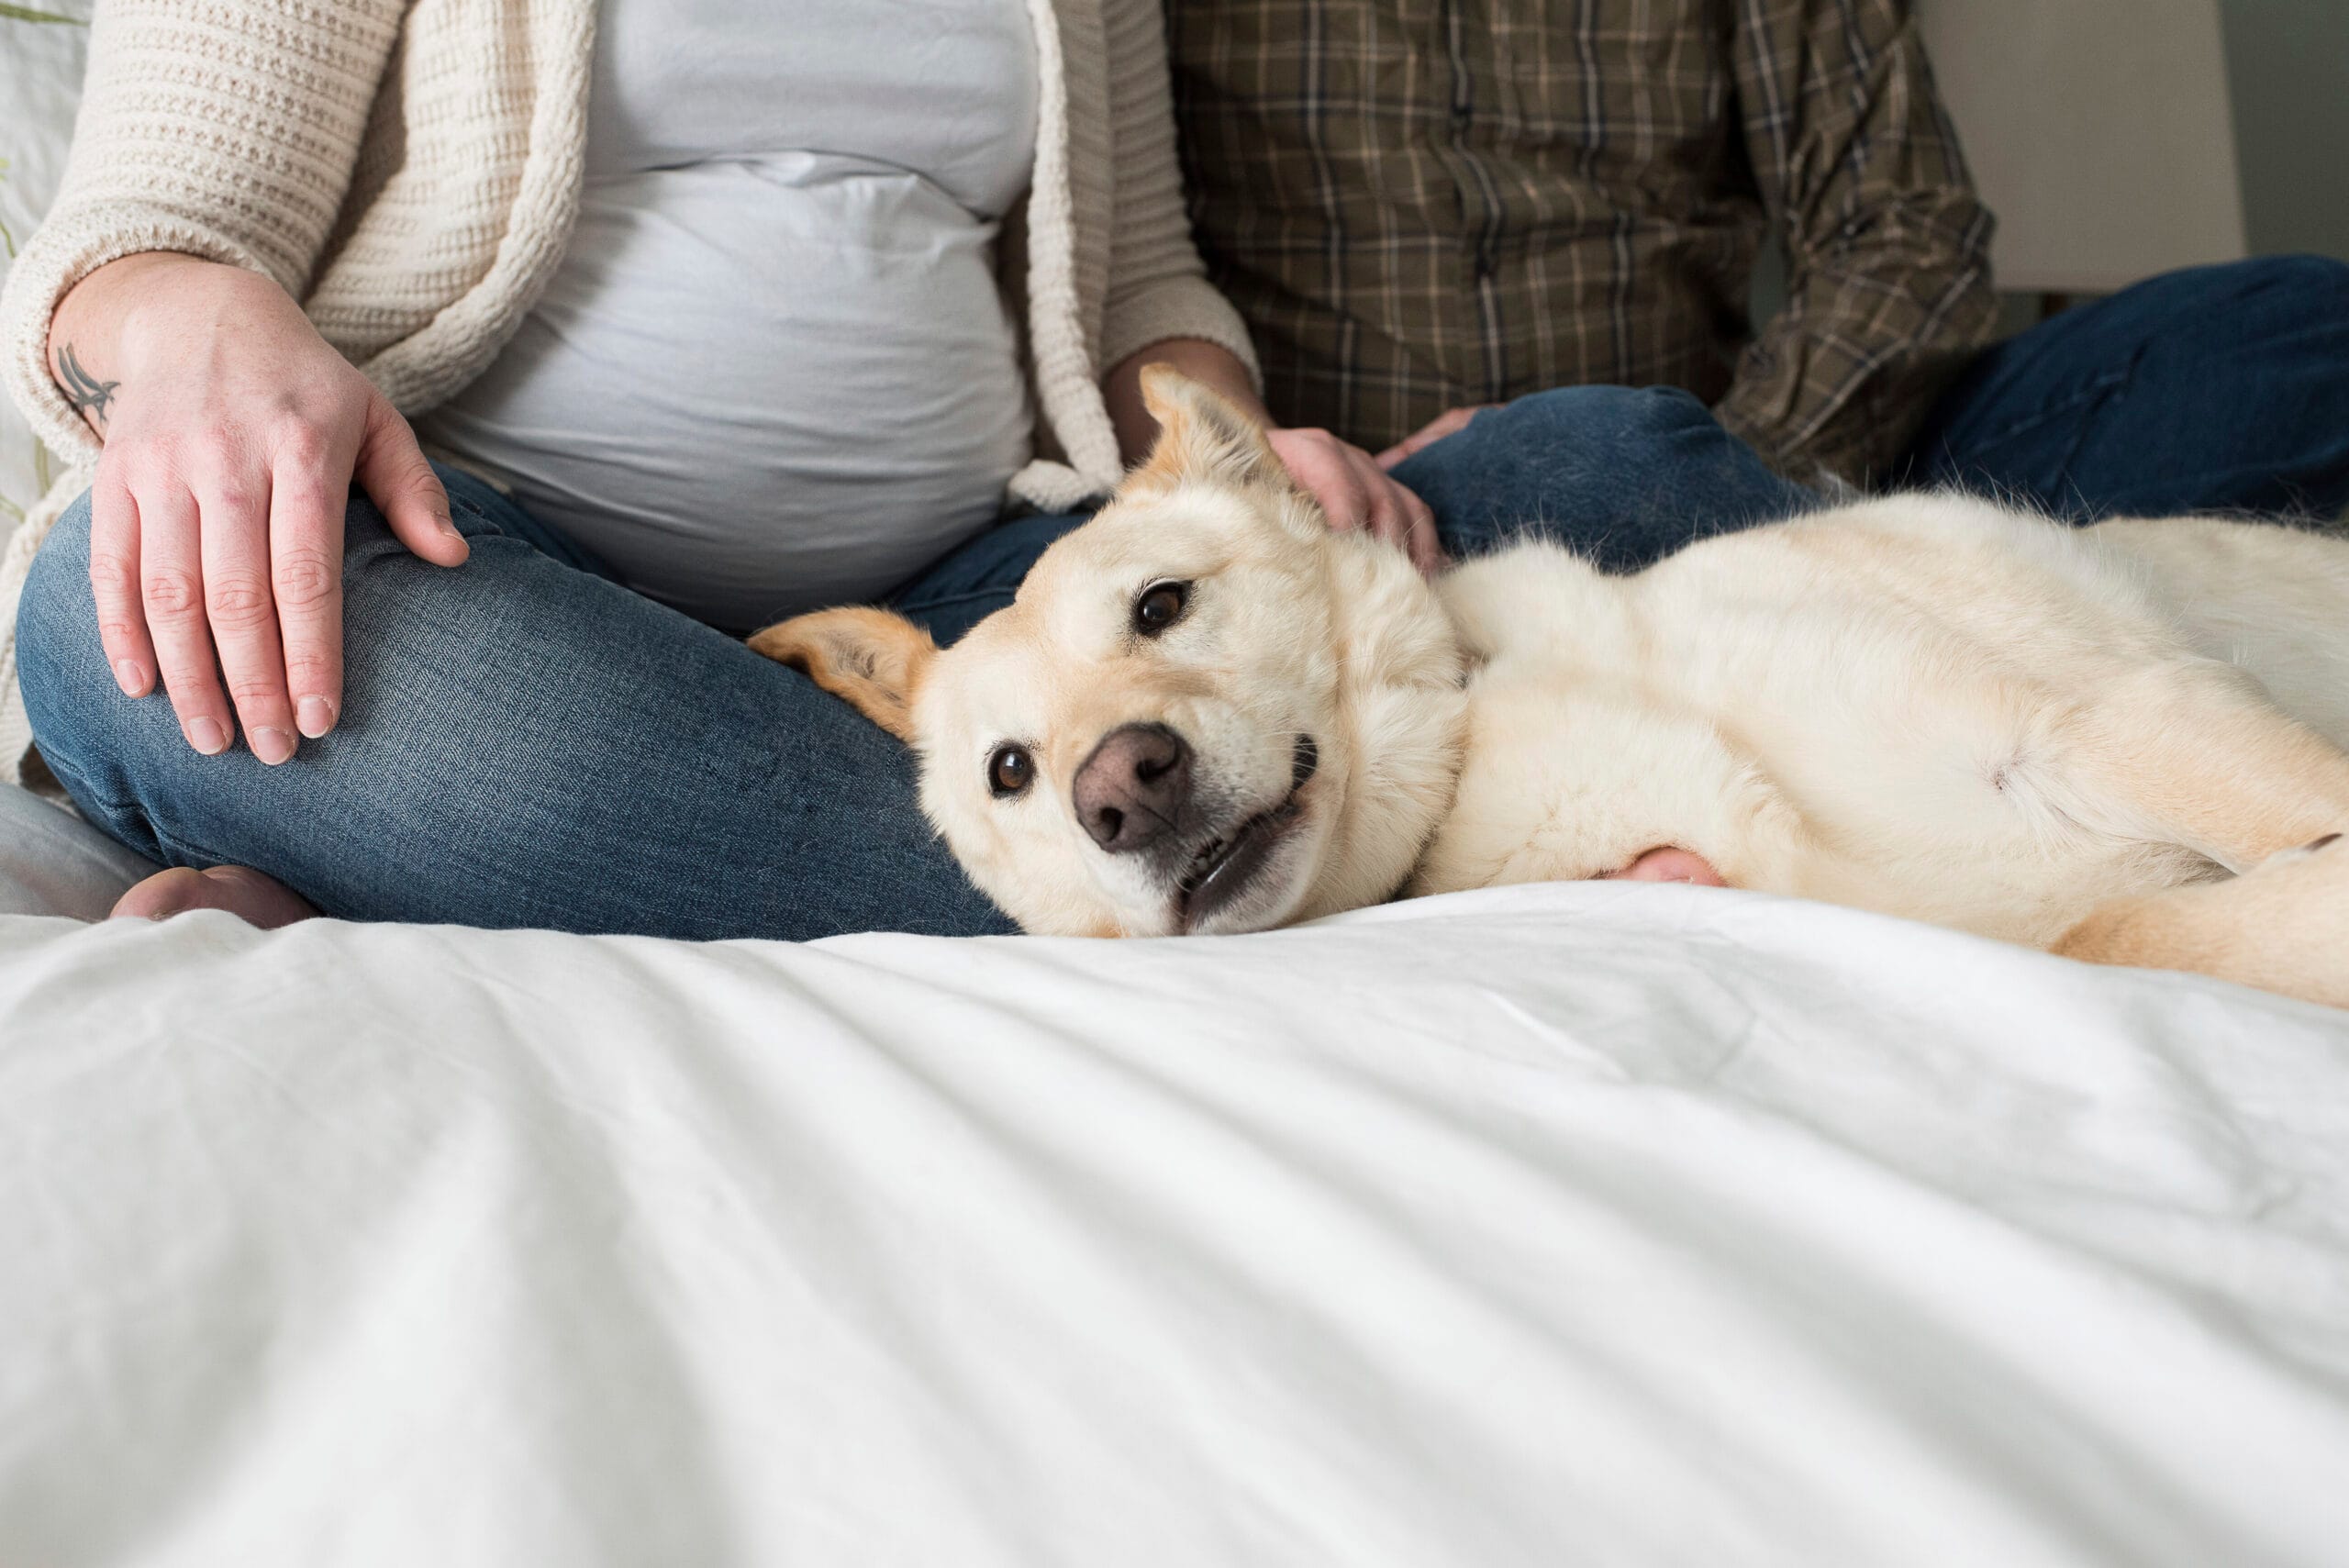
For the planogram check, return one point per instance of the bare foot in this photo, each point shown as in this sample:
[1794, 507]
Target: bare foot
[259, 900]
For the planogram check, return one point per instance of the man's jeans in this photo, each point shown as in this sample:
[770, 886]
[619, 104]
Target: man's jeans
[2218, 389]
[2222, 389]
[525, 743]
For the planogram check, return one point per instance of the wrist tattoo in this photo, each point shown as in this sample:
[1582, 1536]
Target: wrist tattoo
[83, 391]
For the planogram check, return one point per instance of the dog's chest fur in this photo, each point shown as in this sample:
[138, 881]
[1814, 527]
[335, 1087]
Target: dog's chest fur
[1878, 706]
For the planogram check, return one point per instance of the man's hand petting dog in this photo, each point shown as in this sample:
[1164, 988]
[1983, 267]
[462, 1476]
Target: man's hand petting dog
[1451, 422]
[1355, 493]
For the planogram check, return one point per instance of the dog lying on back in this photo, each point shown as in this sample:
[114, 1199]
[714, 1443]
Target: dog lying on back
[1208, 713]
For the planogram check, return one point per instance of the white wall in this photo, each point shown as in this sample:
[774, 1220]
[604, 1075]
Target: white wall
[2098, 132]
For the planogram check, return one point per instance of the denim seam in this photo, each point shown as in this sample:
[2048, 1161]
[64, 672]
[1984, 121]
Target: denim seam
[79, 789]
[180, 852]
[66, 774]
[2095, 391]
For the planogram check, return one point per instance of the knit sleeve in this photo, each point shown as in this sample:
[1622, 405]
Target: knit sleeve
[224, 128]
[1158, 286]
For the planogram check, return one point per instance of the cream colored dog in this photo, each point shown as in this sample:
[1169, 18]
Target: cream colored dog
[1209, 713]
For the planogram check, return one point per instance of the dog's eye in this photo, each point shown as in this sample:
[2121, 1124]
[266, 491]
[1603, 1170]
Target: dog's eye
[1010, 771]
[1160, 606]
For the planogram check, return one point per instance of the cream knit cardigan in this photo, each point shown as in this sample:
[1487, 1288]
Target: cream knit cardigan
[410, 172]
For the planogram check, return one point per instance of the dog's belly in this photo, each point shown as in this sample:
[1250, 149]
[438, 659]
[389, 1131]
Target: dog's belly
[1962, 823]
[1967, 808]
[1795, 707]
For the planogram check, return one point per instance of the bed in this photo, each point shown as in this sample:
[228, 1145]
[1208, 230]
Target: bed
[1605, 1223]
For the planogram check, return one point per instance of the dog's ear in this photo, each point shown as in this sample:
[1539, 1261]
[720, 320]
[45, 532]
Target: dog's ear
[1201, 435]
[874, 660]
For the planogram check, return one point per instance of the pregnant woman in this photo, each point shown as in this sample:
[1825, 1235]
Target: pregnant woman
[710, 315]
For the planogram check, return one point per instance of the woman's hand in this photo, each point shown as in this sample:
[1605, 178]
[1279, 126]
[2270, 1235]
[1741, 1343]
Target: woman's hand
[1356, 493]
[232, 435]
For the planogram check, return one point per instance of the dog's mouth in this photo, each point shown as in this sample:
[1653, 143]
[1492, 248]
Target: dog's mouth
[1228, 865]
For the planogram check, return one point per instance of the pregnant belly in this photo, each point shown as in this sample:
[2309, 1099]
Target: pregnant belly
[756, 388]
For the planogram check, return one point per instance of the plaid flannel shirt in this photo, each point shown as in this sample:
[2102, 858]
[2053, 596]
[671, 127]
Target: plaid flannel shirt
[1420, 203]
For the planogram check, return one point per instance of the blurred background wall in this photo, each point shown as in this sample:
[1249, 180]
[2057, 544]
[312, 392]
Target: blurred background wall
[2117, 138]
[2288, 64]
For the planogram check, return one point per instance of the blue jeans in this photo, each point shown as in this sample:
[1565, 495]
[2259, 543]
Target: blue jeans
[525, 743]
[2216, 389]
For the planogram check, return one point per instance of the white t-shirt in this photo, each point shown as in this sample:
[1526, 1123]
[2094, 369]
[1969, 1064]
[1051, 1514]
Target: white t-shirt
[774, 371]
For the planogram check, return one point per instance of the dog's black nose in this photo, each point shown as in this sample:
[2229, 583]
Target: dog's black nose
[1129, 791]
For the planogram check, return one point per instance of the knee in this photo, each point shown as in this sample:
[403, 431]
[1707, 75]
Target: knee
[2310, 296]
[1660, 432]
[1628, 417]
[2263, 297]
[2320, 280]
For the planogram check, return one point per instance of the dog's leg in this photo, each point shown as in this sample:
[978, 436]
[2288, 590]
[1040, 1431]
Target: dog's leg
[2198, 757]
[2282, 926]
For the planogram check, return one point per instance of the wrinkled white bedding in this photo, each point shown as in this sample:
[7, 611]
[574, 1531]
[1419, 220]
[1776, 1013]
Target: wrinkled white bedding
[1601, 1224]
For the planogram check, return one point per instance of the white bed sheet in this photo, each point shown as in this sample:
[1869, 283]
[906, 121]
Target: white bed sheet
[1605, 1224]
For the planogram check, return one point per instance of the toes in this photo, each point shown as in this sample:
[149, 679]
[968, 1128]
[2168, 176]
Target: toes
[262, 900]
[162, 896]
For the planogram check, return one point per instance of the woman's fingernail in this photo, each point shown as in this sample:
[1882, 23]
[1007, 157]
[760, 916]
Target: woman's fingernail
[207, 737]
[315, 717]
[132, 678]
[270, 745]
